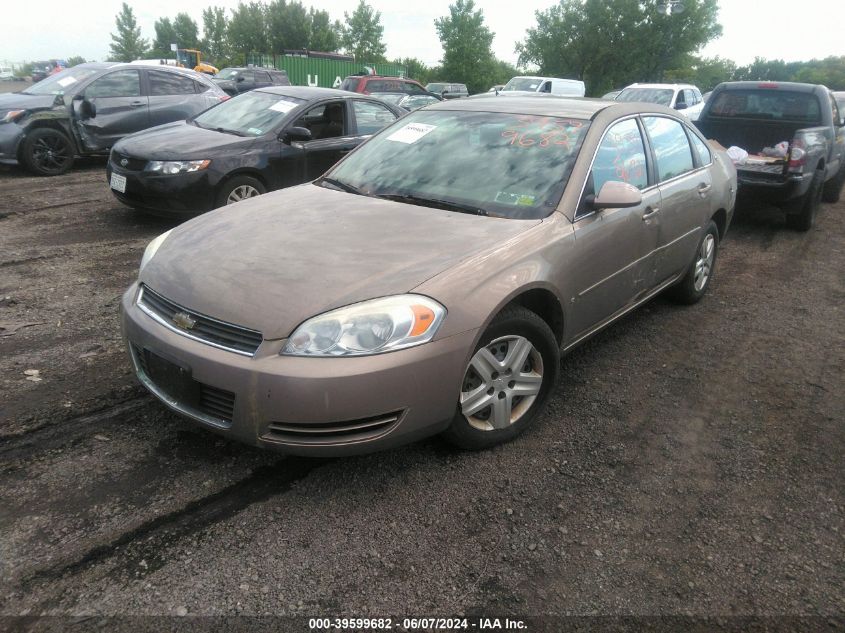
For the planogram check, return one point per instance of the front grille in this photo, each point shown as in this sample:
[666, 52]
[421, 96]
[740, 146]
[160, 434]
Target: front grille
[358, 430]
[132, 164]
[226, 336]
[188, 395]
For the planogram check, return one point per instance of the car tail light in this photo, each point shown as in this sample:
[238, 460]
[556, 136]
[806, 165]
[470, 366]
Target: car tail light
[223, 97]
[797, 156]
[768, 84]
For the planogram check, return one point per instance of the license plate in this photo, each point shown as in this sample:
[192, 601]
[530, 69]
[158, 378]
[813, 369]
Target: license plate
[174, 380]
[118, 183]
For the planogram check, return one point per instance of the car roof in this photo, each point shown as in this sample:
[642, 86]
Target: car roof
[188, 72]
[545, 105]
[309, 92]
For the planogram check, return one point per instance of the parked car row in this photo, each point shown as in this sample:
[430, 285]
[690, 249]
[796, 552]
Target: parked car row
[429, 281]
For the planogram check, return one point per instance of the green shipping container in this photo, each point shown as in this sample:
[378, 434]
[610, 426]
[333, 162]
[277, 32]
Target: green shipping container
[326, 73]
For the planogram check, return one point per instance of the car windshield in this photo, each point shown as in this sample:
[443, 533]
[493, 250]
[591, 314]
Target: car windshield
[773, 104]
[662, 96]
[505, 165]
[227, 73]
[250, 114]
[523, 83]
[60, 82]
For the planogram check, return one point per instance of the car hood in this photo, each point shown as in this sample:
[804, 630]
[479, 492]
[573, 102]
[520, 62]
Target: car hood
[271, 262]
[180, 140]
[19, 101]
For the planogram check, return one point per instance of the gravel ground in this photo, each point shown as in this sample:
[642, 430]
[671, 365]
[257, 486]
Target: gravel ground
[690, 462]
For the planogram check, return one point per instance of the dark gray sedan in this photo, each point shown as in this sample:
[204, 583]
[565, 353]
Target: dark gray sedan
[86, 109]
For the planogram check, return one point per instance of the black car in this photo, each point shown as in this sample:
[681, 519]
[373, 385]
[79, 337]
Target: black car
[234, 81]
[259, 141]
[86, 109]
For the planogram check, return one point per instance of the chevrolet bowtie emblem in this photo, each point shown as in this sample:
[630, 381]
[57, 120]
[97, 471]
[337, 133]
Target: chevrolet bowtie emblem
[184, 321]
[124, 162]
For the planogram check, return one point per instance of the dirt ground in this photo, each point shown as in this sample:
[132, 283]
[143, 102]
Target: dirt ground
[690, 461]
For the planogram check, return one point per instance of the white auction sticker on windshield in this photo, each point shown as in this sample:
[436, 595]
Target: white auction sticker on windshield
[283, 106]
[411, 133]
[64, 83]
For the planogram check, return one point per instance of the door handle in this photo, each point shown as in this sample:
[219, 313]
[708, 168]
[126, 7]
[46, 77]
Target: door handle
[650, 212]
[704, 188]
[135, 104]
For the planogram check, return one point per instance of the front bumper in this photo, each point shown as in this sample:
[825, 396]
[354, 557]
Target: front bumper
[11, 135]
[178, 194]
[308, 406]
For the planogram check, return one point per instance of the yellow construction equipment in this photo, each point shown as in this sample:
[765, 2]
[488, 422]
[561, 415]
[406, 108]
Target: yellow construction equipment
[192, 58]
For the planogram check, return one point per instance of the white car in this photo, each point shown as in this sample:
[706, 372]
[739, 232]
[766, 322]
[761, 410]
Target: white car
[6, 74]
[684, 97]
[549, 85]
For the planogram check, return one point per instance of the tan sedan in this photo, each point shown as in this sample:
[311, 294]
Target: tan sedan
[431, 280]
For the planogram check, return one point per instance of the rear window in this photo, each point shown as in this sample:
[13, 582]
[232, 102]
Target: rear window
[351, 84]
[767, 104]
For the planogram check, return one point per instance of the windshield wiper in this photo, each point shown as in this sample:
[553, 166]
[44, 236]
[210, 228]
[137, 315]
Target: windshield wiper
[422, 201]
[341, 185]
[227, 131]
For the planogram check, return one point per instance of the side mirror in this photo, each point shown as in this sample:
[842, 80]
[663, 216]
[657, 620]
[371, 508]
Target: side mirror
[617, 195]
[681, 106]
[239, 79]
[294, 134]
[85, 109]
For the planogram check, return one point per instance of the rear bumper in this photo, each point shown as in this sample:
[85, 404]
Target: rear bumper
[179, 194]
[771, 189]
[307, 406]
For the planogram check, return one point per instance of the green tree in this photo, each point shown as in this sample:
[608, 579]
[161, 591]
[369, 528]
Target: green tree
[247, 30]
[363, 33]
[186, 31]
[214, 41]
[75, 60]
[127, 44]
[165, 36]
[325, 34]
[467, 56]
[416, 69]
[289, 25]
[611, 43]
[502, 73]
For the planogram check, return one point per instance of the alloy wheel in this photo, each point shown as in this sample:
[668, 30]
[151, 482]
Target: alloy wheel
[501, 383]
[242, 192]
[704, 263]
[51, 153]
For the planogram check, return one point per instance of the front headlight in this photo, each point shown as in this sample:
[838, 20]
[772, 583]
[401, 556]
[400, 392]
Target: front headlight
[370, 327]
[171, 167]
[151, 249]
[12, 115]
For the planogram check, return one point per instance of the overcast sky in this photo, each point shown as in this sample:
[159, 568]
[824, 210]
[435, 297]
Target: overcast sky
[44, 29]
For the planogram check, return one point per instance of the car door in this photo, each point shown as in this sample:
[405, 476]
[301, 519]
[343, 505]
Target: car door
[119, 109]
[685, 188]
[614, 248]
[173, 96]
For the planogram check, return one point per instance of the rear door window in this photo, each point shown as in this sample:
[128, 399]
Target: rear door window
[164, 83]
[121, 83]
[671, 147]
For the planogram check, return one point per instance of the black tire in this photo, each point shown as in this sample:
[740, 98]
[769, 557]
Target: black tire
[801, 214]
[517, 323]
[47, 152]
[228, 187]
[832, 190]
[687, 291]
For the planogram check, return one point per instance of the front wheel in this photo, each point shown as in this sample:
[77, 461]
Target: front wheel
[507, 380]
[239, 188]
[47, 152]
[697, 279]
